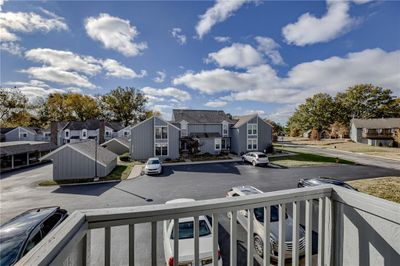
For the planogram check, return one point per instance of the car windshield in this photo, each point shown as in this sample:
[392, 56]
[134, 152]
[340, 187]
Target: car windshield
[186, 229]
[153, 162]
[10, 249]
[262, 156]
[259, 214]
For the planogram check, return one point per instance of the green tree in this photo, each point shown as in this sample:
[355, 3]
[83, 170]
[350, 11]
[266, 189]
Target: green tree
[12, 101]
[366, 101]
[83, 107]
[124, 104]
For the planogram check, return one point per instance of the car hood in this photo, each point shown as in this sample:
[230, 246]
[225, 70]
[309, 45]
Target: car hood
[152, 166]
[186, 248]
[274, 227]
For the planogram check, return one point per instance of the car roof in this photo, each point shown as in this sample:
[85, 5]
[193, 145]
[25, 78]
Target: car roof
[179, 200]
[327, 180]
[153, 158]
[247, 190]
[257, 152]
[22, 225]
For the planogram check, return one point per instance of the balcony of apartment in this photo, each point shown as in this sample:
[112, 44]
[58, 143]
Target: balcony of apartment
[353, 229]
[377, 134]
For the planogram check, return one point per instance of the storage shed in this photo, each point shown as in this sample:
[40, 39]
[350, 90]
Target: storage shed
[78, 161]
[117, 145]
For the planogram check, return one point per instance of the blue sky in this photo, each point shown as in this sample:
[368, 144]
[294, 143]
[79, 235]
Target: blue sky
[240, 56]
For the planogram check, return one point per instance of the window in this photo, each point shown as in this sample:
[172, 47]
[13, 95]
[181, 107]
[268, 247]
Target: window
[108, 133]
[32, 242]
[186, 230]
[184, 129]
[252, 144]
[161, 132]
[126, 133]
[84, 133]
[251, 129]
[161, 149]
[66, 134]
[225, 130]
[217, 144]
[223, 144]
[50, 223]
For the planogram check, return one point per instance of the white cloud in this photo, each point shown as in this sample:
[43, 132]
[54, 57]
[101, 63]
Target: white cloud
[161, 75]
[222, 39]
[114, 33]
[57, 75]
[216, 103]
[1, 4]
[282, 114]
[221, 10]
[236, 55]
[115, 69]
[178, 35]
[171, 92]
[261, 83]
[249, 112]
[270, 48]
[11, 47]
[34, 88]
[309, 29]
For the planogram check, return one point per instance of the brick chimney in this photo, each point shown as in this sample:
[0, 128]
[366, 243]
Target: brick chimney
[102, 131]
[53, 133]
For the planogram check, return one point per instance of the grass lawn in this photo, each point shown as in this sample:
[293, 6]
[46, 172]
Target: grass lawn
[382, 187]
[305, 159]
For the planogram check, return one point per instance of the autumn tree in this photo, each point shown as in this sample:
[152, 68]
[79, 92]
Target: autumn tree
[12, 101]
[124, 104]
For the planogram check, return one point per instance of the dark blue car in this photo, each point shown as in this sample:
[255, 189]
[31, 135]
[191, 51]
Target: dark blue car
[311, 182]
[19, 235]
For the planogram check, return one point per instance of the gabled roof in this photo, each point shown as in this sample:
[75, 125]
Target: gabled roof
[32, 130]
[122, 140]
[244, 119]
[18, 147]
[200, 116]
[4, 130]
[377, 123]
[91, 124]
[88, 148]
[116, 126]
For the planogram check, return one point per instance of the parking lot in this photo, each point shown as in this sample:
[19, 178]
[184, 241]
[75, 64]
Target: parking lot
[19, 192]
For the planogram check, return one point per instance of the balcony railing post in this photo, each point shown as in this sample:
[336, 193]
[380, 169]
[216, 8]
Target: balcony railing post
[154, 243]
[107, 246]
[266, 247]
[196, 241]
[308, 236]
[321, 231]
[295, 237]
[85, 247]
[328, 231]
[176, 242]
[281, 240]
[131, 249]
[250, 237]
[233, 230]
[215, 238]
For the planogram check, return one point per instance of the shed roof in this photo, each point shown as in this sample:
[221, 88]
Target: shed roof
[88, 148]
[122, 140]
[377, 123]
[200, 116]
[18, 147]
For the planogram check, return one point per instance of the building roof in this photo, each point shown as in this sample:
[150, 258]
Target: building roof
[116, 126]
[122, 140]
[88, 148]
[18, 147]
[377, 123]
[4, 130]
[204, 135]
[91, 124]
[244, 119]
[200, 116]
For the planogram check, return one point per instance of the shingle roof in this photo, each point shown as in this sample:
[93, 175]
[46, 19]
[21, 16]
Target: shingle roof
[116, 126]
[244, 119]
[377, 123]
[122, 140]
[92, 124]
[88, 148]
[4, 130]
[200, 116]
[17, 147]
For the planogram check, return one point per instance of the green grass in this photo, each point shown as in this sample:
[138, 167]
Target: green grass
[120, 172]
[305, 159]
[387, 188]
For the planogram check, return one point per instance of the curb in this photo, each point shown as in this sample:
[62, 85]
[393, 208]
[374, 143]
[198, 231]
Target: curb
[203, 162]
[84, 184]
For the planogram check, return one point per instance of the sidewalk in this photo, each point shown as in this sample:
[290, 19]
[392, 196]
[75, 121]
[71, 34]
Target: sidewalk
[135, 172]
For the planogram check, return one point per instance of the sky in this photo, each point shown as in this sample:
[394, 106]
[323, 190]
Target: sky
[240, 56]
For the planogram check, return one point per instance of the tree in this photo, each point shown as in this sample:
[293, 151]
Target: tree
[366, 101]
[339, 130]
[315, 134]
[277, 129]
[83, 107]
[124, 104]
[11, 101]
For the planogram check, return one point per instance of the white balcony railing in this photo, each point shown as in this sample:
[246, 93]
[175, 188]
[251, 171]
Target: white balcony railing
[69, 243]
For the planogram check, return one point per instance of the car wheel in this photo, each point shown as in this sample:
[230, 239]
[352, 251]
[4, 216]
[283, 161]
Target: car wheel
[259, 245]
[254, 163]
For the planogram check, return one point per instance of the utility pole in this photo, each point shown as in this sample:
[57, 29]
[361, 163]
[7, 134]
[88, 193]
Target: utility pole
[96, 178]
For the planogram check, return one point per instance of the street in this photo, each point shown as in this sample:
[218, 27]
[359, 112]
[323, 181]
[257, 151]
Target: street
[19, 192]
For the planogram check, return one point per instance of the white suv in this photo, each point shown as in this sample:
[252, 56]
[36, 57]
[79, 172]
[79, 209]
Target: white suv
[258, 219]
[255, 158]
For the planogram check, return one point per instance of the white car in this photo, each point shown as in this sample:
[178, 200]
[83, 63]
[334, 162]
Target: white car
[153, 166]
[258, 219]
[186, 240]
[255, 158]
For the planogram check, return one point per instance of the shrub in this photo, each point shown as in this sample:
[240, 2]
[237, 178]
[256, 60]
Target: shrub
[269, 148]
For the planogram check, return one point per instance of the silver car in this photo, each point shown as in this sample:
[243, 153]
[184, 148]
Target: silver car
[258, 219]
[153, 166]
[255, 158]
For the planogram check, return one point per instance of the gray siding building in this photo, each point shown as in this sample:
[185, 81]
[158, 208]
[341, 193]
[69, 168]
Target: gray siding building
[374, 132]
[118, 146]
[78, 161]
[26, 134]
[154, 137]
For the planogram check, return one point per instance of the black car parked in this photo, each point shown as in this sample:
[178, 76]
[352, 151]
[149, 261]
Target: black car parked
[311, 182]
[19, 235]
